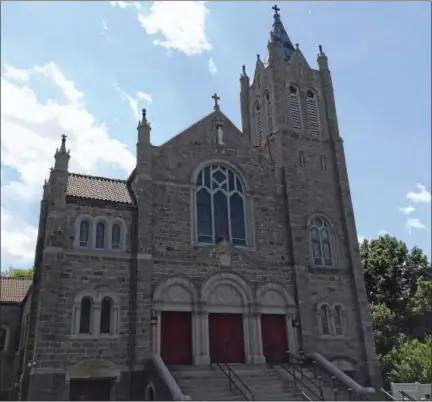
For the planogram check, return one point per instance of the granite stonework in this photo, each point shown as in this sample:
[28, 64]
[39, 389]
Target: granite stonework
[159, 241]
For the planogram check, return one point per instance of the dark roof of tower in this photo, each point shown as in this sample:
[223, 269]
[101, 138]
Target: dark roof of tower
[99, 188]
[278, 34]
[13, 290]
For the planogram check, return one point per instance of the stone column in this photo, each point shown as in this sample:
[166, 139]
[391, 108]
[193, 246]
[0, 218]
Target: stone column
[291, 333]
[156, 334]
[247, 338]
[258, 346]
[204, 345]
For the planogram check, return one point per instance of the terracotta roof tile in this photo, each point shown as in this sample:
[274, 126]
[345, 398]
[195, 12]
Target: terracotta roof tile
[98, 188]
[13, 289]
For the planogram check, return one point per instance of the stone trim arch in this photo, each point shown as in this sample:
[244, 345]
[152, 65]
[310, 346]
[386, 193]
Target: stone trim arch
[93, 368]
[344, 320]
[319, 307]
[225, 278]
[160, 301]
[77, 227]
[123, 232]
[150, 392]
[289, 303]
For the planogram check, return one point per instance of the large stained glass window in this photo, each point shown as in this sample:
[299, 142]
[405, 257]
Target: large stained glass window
[220, 206]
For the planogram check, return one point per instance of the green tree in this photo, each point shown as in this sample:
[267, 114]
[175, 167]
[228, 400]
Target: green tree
[392, 272]
[422, 300]
[411, 360]
[20, 273]
[383, 322]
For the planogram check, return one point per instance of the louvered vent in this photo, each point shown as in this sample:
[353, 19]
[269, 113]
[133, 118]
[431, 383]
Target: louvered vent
[258, 124]
[312, 112]
[269, 108]
[294, 108]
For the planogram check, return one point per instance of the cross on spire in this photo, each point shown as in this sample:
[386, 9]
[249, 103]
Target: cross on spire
[276, 9]
[216, 98]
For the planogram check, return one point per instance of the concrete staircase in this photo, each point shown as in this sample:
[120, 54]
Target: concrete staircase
[210, 384]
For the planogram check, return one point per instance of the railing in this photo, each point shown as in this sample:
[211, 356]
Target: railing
[388, 395]
[405, 396]
[230, 373]
[305, 397]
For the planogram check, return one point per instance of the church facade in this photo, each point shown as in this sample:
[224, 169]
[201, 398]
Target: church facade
[222, 245]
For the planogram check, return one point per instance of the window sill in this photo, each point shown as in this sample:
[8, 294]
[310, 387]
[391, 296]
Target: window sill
[94, 337]
[246, 248]
[334, 337]
[321, 269]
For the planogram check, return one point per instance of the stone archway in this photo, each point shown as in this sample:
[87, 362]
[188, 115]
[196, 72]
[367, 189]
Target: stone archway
[226, 299]
[174, 302]
[275, 311]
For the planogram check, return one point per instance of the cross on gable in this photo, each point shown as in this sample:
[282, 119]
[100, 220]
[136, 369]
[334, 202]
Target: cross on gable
[216, 98]
[276, 9]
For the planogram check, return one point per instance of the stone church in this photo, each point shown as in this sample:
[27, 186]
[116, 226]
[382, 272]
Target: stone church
[224, 250]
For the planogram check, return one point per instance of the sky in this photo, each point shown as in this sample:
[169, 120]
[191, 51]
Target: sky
[86, 69]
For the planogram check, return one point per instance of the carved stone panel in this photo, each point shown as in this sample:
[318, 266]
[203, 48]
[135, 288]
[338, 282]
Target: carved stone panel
[177, 294]
[272, 298]
[226, 295]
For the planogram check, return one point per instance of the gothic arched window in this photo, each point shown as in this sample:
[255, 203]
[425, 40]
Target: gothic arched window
[100, 235]
[338, 320]
[115, 236]
[106, 312]
[220, 206]
[324, 319]
[294, 107]
[269, 113]
[258, 124]
[84, 233]
[86, 315]
[312, 111]
[321, 242]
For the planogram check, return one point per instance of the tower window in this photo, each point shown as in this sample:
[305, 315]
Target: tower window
[100, 235]
[84, 234]
[310, 94]
[294, 108]
[324, 316]
[86, 315]
[115, 236]
[312, 111]
[321, 242]
[269, 113]
[106, 312]
[293, 90]
[258, 124]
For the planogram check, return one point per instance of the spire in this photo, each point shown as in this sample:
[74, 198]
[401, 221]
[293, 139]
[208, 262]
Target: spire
[62, 156]
[279, 37]
[143, 121]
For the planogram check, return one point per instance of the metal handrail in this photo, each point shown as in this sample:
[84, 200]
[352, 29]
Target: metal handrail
[232, 373]
[407, 396]
[387, 394]
[305, 396]
[320, 397]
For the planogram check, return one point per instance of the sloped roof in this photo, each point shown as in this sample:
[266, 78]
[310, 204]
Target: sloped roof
[13, 290]
[98, 188]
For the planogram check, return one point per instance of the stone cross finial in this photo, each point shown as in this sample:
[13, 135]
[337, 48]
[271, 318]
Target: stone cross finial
[216, 98]
[276, 9]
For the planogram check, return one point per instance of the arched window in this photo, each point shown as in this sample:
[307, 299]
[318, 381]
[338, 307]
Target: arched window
[106, 313]
[86, 315]
[324, 320]
[320, 237]
[338, 320]
[301, 159]
[269, 113]
[100, 235]
[258, 123]
[294, 107]
[115, 236]
[220, 206]
[4, 332]
[323, 163]
[84, 233]
[312, 111]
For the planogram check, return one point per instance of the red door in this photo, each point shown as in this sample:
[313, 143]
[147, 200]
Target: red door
[176, 337]
[274, 337]
[226, 338]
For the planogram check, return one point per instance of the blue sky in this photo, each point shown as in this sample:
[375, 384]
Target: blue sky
[87, 68]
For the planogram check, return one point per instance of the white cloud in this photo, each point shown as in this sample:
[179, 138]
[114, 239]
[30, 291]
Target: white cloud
[407, 210]
[133, 100]
[414, 223]
[361, 239]
[104, 24]
[31, 132]
[421, 196]
[382, 233]
[182, 24]
[212, 67]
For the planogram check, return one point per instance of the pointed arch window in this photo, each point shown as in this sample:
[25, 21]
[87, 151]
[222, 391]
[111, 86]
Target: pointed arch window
[339, 320]
[258, 124]
[312, 111]
[4, 337]
[220, 206]
[294, 107]
[324, 319]
[269, 113]
[115, 236]
[86, 315]
[106, 315]
[100, 235]
[84, 233]
[321, 242]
